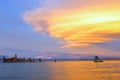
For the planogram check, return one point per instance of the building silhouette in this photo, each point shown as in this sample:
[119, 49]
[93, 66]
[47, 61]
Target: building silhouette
[97, 59]
[16, 59]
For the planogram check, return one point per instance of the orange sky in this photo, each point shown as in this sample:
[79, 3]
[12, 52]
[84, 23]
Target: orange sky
[77, 23]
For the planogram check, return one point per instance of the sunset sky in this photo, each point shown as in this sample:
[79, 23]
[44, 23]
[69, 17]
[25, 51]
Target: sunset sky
[60, 28]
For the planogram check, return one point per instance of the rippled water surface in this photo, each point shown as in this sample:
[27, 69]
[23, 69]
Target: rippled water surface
[67, 70]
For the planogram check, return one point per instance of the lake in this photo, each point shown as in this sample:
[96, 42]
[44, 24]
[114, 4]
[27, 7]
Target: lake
[61, 70]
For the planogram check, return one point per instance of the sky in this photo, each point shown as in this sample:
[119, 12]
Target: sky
[60, 29]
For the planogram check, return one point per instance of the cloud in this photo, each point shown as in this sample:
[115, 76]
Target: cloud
[77, 23]
[43, 57]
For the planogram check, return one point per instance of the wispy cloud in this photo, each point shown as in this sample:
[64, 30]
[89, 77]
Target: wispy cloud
[77, 23]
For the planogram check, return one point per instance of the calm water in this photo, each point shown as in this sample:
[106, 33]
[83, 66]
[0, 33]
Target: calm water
[68, 70]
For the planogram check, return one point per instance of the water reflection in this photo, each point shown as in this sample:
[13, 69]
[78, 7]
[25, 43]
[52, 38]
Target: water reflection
[67, 70]
[82, 70]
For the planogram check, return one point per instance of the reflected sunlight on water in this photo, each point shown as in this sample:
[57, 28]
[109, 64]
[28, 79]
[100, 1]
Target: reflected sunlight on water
[83, 70]
[65, 70]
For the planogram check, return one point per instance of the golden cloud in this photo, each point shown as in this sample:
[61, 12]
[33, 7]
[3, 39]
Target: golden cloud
[94, 21]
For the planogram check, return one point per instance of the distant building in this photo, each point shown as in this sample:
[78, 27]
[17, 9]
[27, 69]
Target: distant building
[97, 59]
[39, 60]
[16, 59]
[55, 60]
